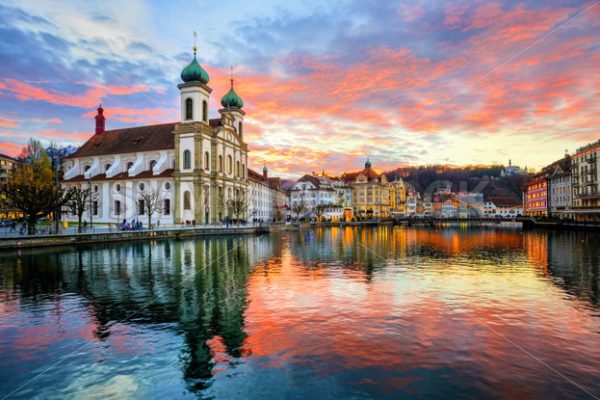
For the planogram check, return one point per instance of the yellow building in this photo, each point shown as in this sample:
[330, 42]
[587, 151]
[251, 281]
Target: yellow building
[370, 192]
[397, 198]
[7, 165]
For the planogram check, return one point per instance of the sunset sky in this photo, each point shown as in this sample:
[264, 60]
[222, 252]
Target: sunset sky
[325, 83]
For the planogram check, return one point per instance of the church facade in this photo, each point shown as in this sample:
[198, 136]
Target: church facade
[197, 167]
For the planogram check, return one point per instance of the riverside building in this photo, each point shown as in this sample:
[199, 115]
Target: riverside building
[196, 166]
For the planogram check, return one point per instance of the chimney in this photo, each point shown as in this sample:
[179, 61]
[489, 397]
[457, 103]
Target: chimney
[100, 120]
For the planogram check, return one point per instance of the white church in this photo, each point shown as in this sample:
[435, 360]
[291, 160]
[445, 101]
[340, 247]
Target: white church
[197, 166]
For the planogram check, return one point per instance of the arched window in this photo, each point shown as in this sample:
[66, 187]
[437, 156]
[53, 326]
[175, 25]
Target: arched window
[204, 111]
[107, 167]
[129, 165]
[220, 163]
[187, 159]
[237, 168]
[189, 109]
[167, 207]
[206, 161]
[152, 164]
[229, 165]
[187, 202]
[240, 129]
[87, 168]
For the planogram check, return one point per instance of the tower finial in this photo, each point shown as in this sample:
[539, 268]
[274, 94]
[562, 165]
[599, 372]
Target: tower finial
[195, 48]
[231, 69]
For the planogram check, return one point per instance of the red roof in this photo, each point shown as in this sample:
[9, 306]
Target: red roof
[129, 140]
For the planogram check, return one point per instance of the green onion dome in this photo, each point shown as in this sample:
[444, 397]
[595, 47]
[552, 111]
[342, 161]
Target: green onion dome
[231, 100]
[368, 164]
[194, 72]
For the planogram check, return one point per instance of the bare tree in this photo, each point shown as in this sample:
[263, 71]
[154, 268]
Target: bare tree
[79, 201]
[152, 205]
[299, 209]
[239, 207]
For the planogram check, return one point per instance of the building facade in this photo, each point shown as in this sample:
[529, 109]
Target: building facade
[370, 192]
[196, 166]
[559, 188]
[7, 166]
[585, 177]
[535, 196]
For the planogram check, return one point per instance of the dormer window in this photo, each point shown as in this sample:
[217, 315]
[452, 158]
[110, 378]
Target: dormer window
[152, 165]
[87, 168]
[189, 109]
[129, 165]
[107, 167]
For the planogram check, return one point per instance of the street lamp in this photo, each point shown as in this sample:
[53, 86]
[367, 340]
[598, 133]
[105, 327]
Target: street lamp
[90, 210]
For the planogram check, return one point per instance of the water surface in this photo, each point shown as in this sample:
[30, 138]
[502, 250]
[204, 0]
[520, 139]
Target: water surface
[331, 313]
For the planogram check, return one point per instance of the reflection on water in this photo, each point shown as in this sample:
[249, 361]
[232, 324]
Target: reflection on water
[330, 313]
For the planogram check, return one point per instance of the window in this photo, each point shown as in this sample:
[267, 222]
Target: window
[206, 161]
[95, 208]
[220, 163]
[142, 187]
[129, 165]
[187, 201]
[95, 188]
[189, 109]
[240, 129]
[117, 188]
[141, 207]
[187, 159]
[117, 207]
[152, 164]
[107, 167]
[237, 168]
[168, 186]
[229, 165]
[87, 168]
[204, 111]
[167, 207]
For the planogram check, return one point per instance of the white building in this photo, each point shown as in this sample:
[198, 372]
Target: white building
[266, 199]
[196, 166]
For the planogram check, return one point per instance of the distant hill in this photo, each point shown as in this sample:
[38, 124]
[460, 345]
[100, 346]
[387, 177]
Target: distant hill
[487, 179]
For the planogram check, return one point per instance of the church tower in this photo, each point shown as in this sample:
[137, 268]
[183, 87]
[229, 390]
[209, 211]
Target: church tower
[190, 168]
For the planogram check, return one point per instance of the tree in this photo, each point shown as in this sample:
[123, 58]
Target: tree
[79, 201]
[239, 207]
[152, 204]
[31, 189]
[299, 209]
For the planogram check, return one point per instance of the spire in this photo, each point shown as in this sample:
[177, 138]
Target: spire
[368, 164]
[100, 120]
[195, 48]
[265, 171]
[231, 100]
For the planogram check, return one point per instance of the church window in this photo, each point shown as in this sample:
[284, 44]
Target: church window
[152, 164]
[237, 168]
[168, 186]
[189, 109]
[229, 165]
[117, 207]
[129, 165]
[187, 159]
[204, 111]
[206, 161]
[87, 168]
[220, 163]
[107, 167]
[141, 207]
[240, 129]
[187, 201]
[167, 207]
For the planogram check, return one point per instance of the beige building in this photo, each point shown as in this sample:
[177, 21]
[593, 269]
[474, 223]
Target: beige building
[370, 192]
[585, 183]
[397, 198]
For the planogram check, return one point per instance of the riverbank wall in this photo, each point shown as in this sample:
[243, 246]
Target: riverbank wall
[532, 223]
[25, 242]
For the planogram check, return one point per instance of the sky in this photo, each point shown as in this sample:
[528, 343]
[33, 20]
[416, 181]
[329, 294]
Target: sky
[326, 84]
